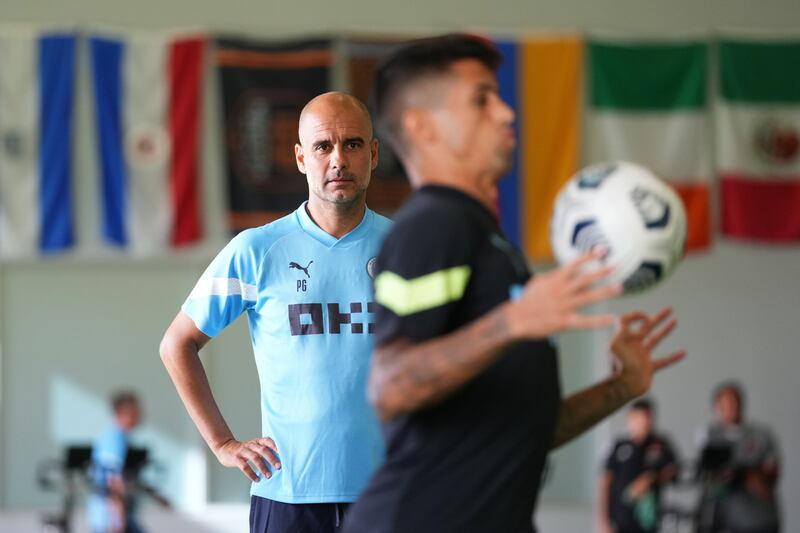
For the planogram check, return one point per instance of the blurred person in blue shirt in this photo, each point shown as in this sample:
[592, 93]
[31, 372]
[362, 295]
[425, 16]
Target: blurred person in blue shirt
[111, 505]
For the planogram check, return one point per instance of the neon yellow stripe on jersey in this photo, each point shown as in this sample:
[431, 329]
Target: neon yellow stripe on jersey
[409, 296]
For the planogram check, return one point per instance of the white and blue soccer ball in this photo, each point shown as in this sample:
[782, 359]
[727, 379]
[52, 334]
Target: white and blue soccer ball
[624, 209]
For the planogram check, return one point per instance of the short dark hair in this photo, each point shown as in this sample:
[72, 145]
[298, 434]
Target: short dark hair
[732, 386]
[122, 399]
[417, 60]
[643, 404]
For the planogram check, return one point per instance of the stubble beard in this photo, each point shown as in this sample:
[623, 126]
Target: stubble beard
[344, 201]
[503, 163]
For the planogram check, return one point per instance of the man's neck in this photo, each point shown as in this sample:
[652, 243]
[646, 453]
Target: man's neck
[336, 220]
[479, 187]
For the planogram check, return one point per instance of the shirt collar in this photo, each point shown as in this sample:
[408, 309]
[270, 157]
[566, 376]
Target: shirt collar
[464, 198]
[311, 228]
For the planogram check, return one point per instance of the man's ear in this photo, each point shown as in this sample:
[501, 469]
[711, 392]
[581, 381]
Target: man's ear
[418, 124]
[300, 158]
[373, 147]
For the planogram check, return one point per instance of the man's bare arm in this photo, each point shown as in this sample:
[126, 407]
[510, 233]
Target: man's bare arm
[407, 376]
[180, 353]
[180, 349]
[586, 408]
[632, 348]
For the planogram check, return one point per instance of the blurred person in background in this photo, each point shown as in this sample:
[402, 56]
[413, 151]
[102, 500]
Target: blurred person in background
[112, 505]
[639, 464]
[742, 461]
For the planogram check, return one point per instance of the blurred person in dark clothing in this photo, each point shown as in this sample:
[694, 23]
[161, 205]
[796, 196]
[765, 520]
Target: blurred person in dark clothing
[743, 492]
[639, 464]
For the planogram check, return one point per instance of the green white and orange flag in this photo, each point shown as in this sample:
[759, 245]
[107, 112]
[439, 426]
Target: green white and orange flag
[647, 103]
[758, 137]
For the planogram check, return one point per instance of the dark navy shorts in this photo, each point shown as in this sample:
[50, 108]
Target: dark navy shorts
[269, 516]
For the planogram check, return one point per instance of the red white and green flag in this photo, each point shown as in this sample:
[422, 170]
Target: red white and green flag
[758, 138]
[647, 103]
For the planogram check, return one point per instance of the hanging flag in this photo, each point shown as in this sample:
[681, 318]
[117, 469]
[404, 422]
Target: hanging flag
[388, 187]
[36, 102]
[510, 196]
[265, 85]
[548, 130]
[148, 100]
[758, 138]
[647, 104]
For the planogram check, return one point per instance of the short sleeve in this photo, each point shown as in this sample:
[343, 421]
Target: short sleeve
[424, 268]
[228, 287]
[109, 452]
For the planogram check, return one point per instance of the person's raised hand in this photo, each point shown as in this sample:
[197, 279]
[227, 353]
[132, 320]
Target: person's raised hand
[550, 302]
[633, 345]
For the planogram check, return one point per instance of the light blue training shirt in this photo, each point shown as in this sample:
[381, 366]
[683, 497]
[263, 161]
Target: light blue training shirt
[309, 303]
[109, 451]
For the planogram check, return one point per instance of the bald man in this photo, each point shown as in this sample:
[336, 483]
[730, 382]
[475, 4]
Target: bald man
[305, 282]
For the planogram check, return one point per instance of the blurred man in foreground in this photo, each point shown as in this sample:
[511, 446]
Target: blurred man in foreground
[464, 377]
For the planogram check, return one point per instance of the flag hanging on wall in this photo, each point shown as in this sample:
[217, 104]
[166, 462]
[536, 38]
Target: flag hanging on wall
[388, 186]
[647, 104]
[36, 108]
[264, 87]
[758, 138]
[547, 112]
[148, 102]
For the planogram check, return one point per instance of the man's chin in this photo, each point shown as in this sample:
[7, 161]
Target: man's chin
[345, 197]
[504, 166]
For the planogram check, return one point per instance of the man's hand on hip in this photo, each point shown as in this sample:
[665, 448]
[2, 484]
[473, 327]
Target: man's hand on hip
[242, 454]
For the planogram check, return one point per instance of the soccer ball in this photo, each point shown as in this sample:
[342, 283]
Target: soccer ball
[624, 209]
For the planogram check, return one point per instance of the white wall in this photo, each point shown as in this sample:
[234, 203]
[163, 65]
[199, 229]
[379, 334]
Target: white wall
[738, 317]
[416, 16]
[74, 333]
[71, 330]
